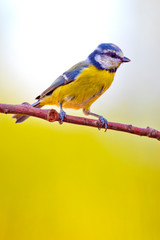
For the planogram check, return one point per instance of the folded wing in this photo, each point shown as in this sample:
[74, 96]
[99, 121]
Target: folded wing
[66, 78]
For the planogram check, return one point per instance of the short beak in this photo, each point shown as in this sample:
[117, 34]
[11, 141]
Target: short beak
[125, 59]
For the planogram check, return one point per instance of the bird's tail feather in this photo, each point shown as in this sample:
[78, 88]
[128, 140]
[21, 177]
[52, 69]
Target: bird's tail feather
[21, 118]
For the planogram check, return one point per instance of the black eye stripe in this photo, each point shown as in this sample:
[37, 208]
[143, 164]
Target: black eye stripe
[112, 54]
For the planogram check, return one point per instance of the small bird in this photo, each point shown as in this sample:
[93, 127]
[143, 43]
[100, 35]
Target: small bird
[83, 83]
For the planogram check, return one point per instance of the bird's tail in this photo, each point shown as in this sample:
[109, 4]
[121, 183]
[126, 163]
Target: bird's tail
[21, 118]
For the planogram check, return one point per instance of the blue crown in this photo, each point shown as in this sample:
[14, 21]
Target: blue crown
[109, 46]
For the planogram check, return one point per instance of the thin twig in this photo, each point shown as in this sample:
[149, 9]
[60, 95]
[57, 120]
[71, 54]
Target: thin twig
[52, 115]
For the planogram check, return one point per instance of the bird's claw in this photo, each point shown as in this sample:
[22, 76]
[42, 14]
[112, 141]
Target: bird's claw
[103, 122]
[62, 115]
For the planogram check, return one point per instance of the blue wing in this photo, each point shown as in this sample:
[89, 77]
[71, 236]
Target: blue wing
[66, 78]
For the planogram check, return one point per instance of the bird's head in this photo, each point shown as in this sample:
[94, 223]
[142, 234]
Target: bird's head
[107, 56]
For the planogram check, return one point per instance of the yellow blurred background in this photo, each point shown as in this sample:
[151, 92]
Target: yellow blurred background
[74, 182]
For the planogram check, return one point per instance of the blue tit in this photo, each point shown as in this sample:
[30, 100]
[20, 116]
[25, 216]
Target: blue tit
[83, 83]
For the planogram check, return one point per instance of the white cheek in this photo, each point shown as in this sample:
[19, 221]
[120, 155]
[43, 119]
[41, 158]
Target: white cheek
[107, 62]
[104, 62]
[116, 62]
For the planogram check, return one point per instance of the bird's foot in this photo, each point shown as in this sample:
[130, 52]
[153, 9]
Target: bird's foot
[62, 115]
[103, 122]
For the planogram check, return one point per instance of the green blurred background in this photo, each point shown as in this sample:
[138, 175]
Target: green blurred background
[74, 182]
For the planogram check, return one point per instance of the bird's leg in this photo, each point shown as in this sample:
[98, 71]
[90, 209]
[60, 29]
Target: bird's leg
[102, 120]
[62, 114]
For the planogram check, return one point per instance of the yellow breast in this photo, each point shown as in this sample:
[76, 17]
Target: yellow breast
[82, 92]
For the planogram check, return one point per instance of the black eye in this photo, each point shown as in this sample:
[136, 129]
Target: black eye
[113, 55]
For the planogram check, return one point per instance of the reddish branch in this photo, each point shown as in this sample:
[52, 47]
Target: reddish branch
[52, 115]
